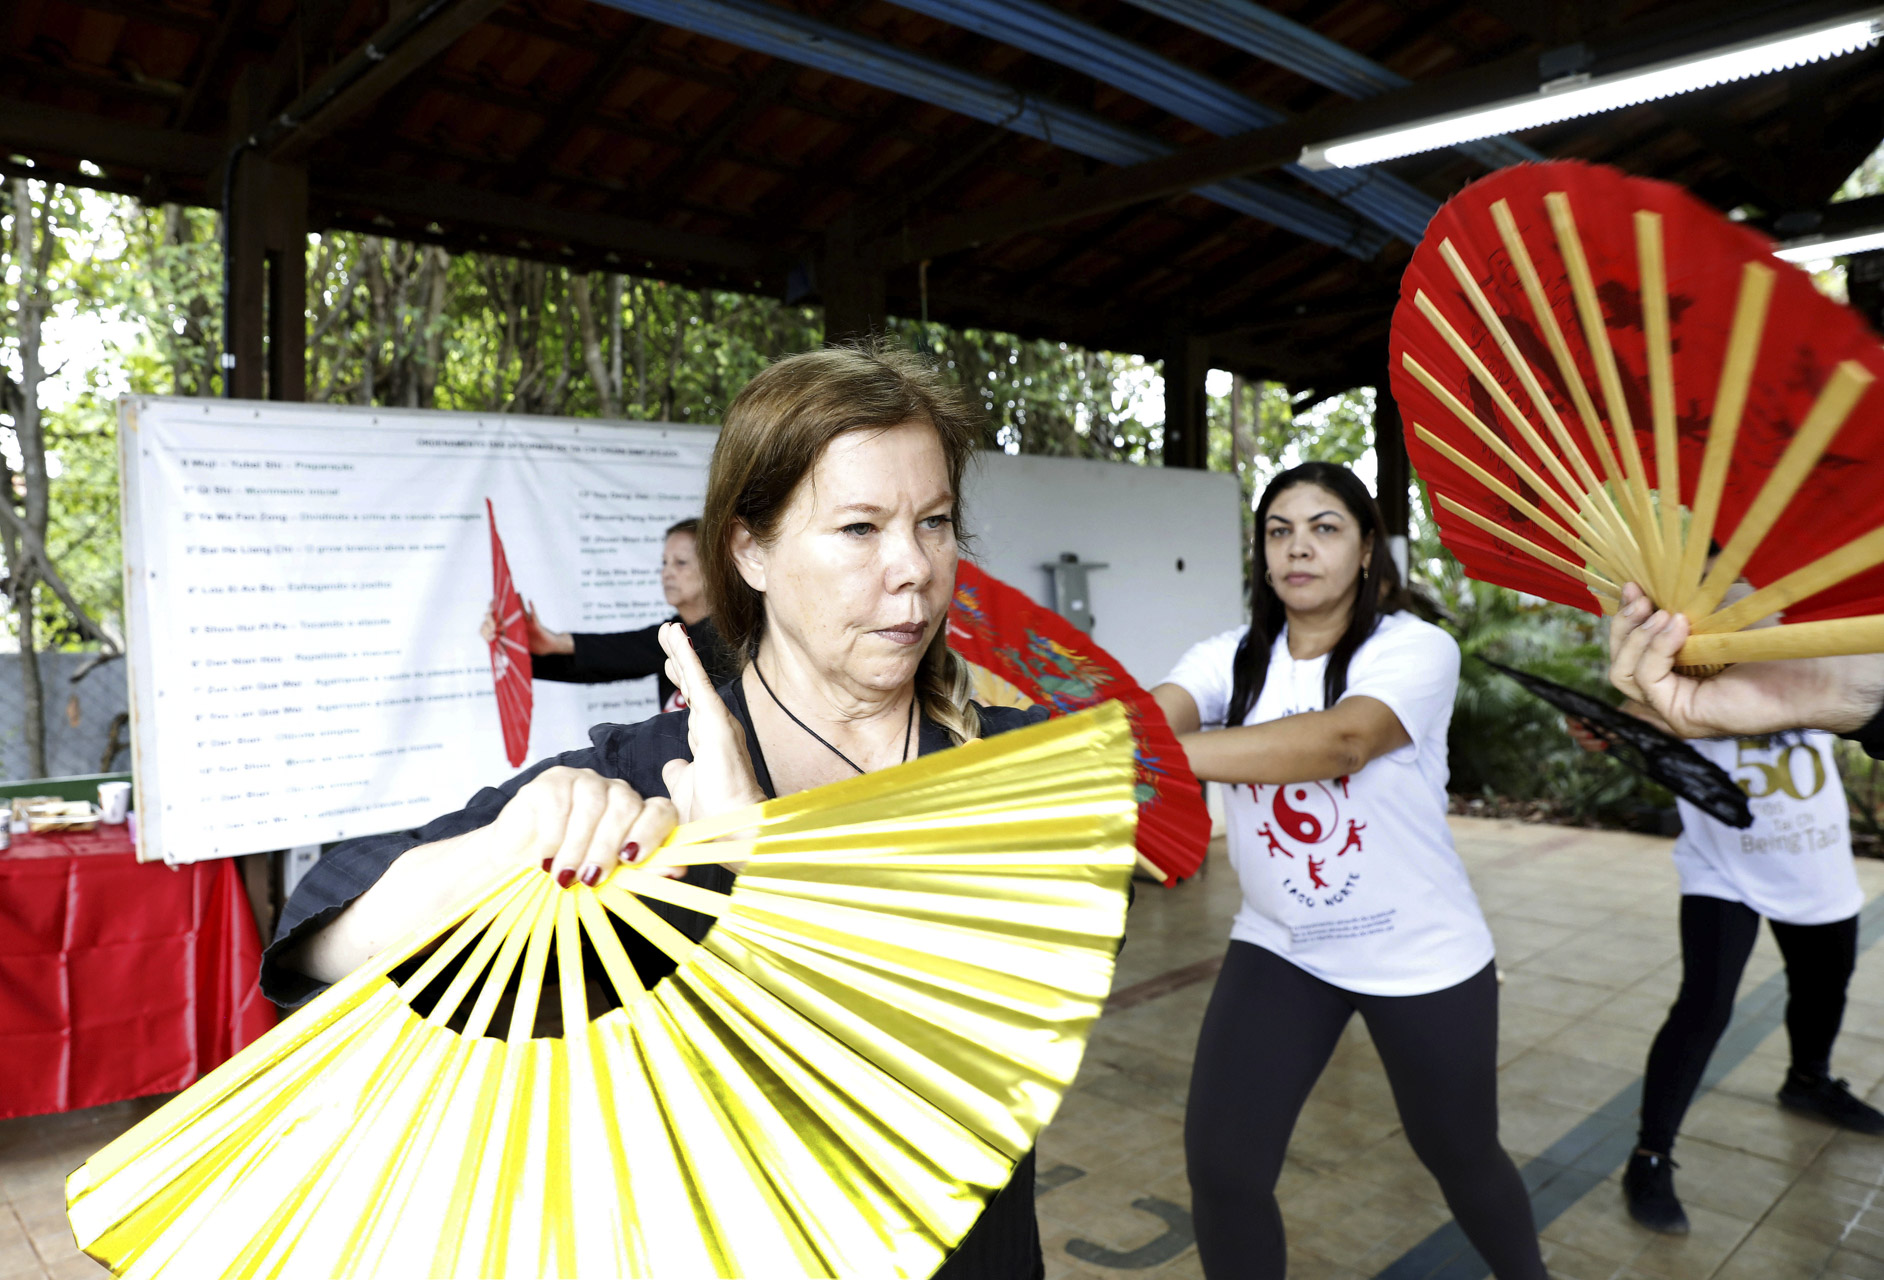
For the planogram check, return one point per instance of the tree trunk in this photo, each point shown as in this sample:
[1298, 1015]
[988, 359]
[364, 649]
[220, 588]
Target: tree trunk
[30, 261]
[614, 338]
[557, 399]
[175, 231]
[675, 351]
[438, 280]
[375, 317]
[582, 299]
[716, 381]
[641, 349]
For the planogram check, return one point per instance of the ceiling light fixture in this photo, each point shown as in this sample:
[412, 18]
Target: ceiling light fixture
[1581, 95]
[1839, 247]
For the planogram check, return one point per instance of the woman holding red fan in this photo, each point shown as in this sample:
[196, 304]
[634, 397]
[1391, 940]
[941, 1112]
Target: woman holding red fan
[599, 658]
[1335, 704]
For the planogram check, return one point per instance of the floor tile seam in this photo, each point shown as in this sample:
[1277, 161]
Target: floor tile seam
[1758, 1008]
[20, 1227]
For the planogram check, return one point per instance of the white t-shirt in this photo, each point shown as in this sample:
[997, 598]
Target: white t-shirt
[1354, 879]
[1794, 863]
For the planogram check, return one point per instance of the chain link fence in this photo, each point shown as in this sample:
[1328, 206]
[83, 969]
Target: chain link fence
[88, 727]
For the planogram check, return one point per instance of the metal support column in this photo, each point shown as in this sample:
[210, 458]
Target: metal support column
[1186, 408]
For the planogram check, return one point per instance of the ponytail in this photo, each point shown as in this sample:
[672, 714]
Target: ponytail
[943, 685]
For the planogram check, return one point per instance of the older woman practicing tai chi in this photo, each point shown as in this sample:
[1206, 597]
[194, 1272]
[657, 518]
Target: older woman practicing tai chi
[829, 546]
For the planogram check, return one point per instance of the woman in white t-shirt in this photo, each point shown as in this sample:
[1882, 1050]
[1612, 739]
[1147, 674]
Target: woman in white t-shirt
[1793, 867]
[1354, 899]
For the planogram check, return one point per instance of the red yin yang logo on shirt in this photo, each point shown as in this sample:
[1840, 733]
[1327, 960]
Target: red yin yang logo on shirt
[1306, 818]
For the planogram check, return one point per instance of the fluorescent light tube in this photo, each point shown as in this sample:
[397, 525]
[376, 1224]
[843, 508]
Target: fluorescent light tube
[1818, 250]
[1576, 96]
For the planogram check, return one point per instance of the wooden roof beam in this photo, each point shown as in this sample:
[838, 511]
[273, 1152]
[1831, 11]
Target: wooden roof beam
[1255, 152]
[1264, 149]
[412, 39]
[448, 204]
[104, 141]
[581, 107]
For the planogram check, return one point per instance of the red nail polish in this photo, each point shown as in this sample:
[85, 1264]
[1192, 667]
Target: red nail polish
[546, 863]
[629, 850]
[566, 877]
[590, 874]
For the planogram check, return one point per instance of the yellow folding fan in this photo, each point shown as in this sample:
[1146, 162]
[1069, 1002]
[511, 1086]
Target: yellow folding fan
[883, 1016]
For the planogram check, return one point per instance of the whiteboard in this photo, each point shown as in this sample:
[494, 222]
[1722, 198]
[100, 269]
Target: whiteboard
[303, 588]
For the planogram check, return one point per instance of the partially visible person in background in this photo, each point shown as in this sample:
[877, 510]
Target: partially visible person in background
[1793, 867]
[598, 658]
[1842, 695]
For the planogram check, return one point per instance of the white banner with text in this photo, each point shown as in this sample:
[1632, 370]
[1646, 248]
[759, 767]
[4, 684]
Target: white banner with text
[304, 586]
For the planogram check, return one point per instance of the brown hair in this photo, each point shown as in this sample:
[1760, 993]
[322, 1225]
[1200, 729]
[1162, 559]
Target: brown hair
[690, 526]
[775, 431]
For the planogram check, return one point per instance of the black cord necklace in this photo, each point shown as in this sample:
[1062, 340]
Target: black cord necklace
[908, 725]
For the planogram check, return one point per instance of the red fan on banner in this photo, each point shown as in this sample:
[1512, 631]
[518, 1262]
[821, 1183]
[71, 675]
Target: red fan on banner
[510, 652]
[1023, 654]
[1601, 376]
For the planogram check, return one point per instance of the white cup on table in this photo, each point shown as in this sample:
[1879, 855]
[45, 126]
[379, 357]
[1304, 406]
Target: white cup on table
[114, 801]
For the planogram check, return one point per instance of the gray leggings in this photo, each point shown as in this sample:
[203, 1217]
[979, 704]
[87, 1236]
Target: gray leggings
[1269, 1032]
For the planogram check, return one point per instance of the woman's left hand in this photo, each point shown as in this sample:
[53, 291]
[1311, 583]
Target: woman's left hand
[719, 779]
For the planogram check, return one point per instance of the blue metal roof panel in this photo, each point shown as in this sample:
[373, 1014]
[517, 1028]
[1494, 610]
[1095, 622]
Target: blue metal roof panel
[783, 34]
[1262, 33]
[1185, 92]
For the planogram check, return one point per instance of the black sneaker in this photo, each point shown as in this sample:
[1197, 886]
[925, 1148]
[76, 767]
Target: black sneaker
[1829, 1099]
[1648, 1184]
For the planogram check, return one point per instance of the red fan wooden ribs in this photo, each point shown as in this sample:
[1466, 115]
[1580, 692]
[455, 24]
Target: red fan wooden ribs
[1600, 375]
[1036, 654]
[510, 653]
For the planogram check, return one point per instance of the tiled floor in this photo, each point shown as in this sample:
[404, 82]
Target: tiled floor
[1585, 928]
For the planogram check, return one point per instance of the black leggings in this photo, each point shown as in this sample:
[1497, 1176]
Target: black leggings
[1270, 1030]
[1716, 938]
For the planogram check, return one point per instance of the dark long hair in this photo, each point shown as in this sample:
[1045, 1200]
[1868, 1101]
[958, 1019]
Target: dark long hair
[1381, 591]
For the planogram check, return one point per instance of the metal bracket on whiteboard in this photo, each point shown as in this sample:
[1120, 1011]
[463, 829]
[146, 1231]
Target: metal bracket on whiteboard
[1072, 599]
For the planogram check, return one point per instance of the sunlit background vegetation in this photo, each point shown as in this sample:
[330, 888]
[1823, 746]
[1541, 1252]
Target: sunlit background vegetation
[104, 296]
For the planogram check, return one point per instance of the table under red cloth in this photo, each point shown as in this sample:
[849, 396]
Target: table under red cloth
[118, 979]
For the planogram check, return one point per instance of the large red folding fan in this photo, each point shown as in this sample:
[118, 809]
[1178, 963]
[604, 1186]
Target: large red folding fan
[1024, 655]
[1601, 376]
[510, 653]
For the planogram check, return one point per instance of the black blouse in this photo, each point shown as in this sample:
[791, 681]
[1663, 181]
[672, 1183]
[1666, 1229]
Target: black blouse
[601, 657]
[1005, 1241]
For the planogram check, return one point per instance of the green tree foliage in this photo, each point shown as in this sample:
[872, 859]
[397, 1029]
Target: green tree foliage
[1049, 397]
[397, 324]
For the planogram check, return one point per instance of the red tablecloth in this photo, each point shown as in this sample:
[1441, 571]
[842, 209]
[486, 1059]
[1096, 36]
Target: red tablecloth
[118, 979]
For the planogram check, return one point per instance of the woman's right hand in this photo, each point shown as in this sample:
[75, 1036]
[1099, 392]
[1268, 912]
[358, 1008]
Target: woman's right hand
[719, 778]
[537, 637]
[575, 822]
[579, 824]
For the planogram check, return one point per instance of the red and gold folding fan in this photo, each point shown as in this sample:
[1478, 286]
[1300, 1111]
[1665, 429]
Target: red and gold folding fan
[1023, 654]
[510, 653]
[1601, 375]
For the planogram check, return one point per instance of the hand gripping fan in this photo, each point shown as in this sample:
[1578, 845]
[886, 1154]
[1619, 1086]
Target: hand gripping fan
[1602, 375]
[884, 1014]
[1660, 757]
[510, 653]
[1022, 655]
